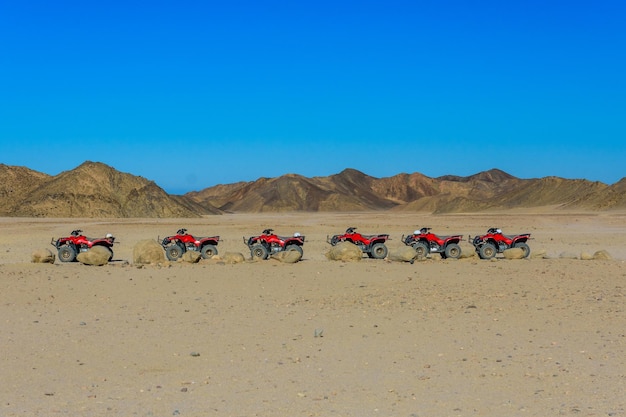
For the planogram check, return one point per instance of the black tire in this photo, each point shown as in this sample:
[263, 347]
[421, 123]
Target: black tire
[487, 251]
[379, 251]
[258, 251]
[524, 247]
[67, 253]
[173, 252]
[110, 252]
[453, 251]
[208, 251]
[296, 248]
[421, 249]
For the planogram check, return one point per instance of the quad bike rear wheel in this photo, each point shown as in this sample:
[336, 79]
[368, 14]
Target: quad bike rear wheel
[421, 250]
[296, 248]
[523, 246]
[67, 254]
[258, 251]
[379, 251]
[173, 252]
[208, 251]
[453, 251]
[487, 251]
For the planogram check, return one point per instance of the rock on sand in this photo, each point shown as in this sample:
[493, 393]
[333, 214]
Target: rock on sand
[42, 256]
[288, 257]
[602, 255]
[230, 258]
[403, 254]
[514, 253]
[344, 251]
[148, 251]
[97, 255]
[191, 257]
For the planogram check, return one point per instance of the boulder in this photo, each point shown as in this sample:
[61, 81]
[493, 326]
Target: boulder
[403, 254]
[148, 251]
[514, 253]
[539, 254]
[467, 250]
[344, 251]
[288, 257]
[97, 255]
[231, 258]
[43, 256]
[191, 256]
[602, 255]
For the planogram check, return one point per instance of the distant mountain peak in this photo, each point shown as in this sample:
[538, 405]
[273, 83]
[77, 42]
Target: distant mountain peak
[493, 175]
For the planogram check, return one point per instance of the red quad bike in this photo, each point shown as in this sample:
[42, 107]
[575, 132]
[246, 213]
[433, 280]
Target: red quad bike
[494, 242]
[182, 242]
[267, 243]
[69, 247]
[425, 242]
[373, 245]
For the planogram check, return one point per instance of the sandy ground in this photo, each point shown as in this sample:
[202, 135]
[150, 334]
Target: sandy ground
[534, 337]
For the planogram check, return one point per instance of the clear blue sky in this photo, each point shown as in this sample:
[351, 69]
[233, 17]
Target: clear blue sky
[192, 94]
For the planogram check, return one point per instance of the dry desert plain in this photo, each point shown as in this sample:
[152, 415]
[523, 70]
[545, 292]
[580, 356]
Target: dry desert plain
[533, 337]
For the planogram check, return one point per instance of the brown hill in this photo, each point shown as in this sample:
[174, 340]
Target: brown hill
[349, 190]
[352, 190]
[16, 183]
[99, 191]
[603, 197]
[549, 191]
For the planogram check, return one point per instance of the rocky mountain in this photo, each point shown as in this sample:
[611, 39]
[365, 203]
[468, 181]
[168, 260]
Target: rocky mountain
[90, 190]
[352, 190]
[17, 182]
[97, 190]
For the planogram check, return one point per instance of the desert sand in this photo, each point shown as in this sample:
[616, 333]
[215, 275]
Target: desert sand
[533, 337]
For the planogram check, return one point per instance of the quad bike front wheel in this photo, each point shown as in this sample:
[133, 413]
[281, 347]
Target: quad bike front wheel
[67, 254]
[487, 251]
[453, 251]
[379, 251]
[173, 252]
[523, 246]
[258, 251]
[208, 251]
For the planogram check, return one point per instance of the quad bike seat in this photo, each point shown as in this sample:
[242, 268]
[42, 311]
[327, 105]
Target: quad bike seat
[372, 236]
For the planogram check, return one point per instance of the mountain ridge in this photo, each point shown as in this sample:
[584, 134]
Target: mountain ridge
[94, 189]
